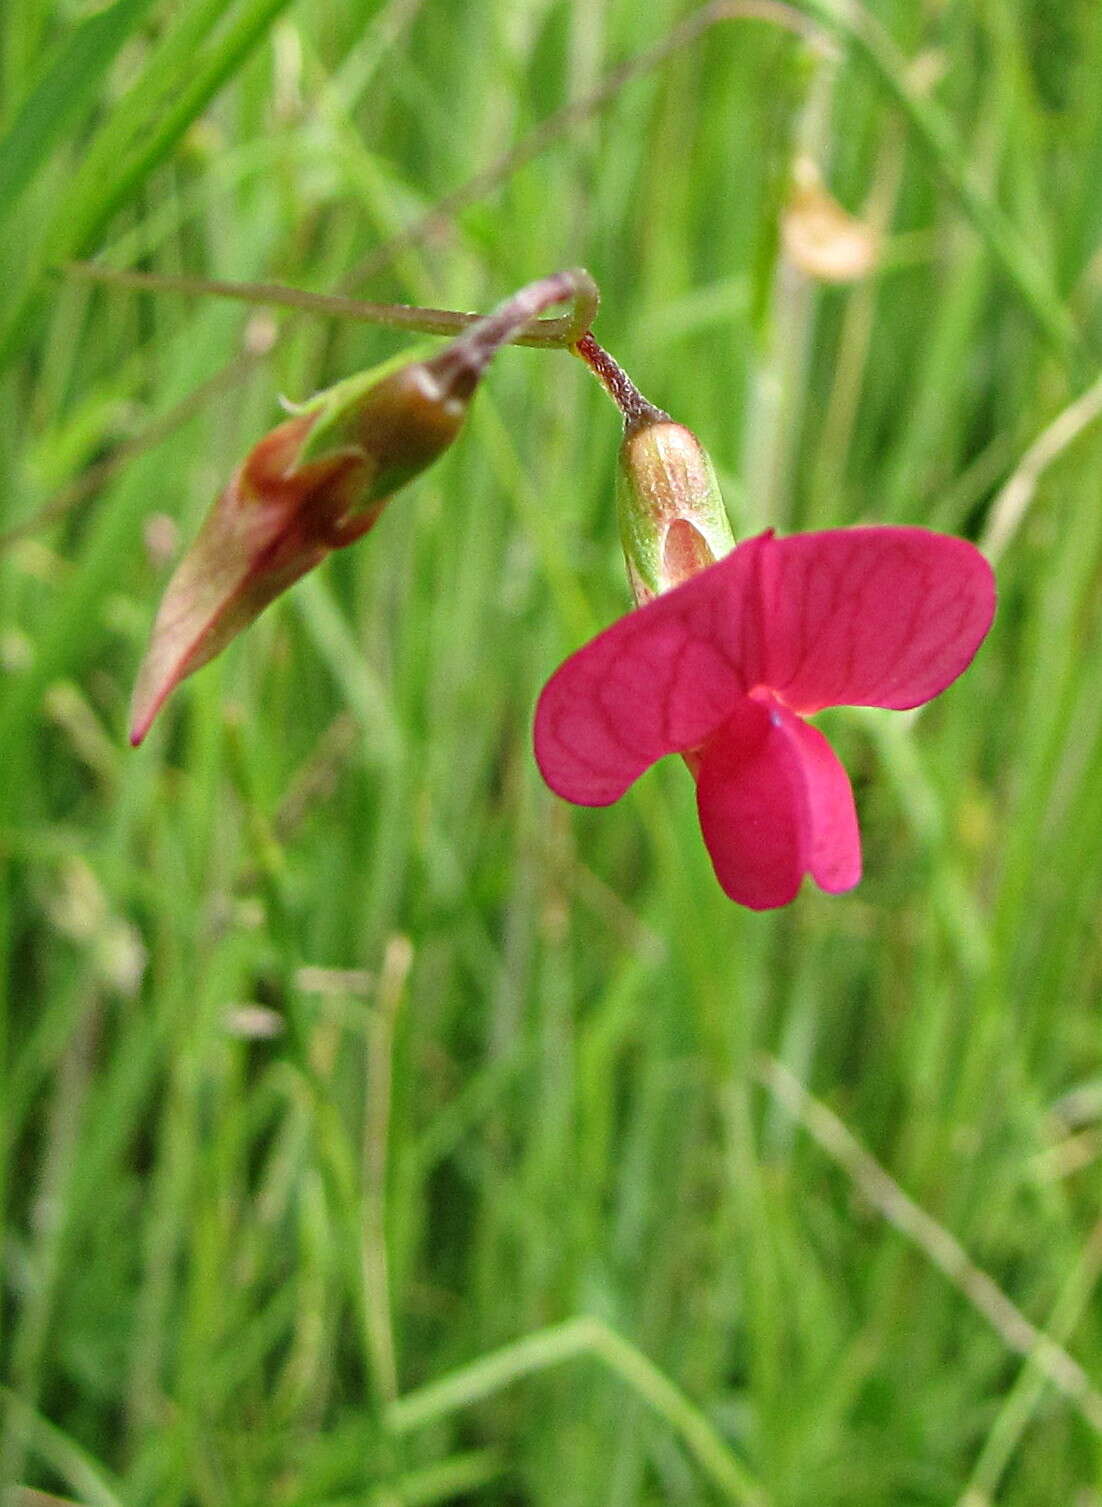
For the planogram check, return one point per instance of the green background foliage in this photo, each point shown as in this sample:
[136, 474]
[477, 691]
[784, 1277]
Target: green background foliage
[375, 1128]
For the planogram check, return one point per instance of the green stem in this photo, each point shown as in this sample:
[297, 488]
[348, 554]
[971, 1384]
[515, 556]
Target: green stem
[560, 332]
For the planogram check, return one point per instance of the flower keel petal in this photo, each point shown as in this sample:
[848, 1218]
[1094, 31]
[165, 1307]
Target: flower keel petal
[775, 804]
[752, 804]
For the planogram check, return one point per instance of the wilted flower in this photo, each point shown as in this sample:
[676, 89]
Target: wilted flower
[315, 483]
[320, 481]
[820, 237]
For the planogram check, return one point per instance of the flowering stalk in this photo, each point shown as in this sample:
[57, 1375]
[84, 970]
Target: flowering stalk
[320, 480]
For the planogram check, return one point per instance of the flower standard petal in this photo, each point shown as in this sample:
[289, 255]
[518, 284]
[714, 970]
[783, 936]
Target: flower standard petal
[884, 616]
[659, 681]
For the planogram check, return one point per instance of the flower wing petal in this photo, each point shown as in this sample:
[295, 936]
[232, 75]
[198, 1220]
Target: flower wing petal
[658, 681]
[774, 804]
[871, 616]
[834, 854]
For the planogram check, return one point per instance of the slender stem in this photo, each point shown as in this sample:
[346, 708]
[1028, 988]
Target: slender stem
[374, 1259]
[636, 409]
[1010, 506]
[543, 333]
[442, 215]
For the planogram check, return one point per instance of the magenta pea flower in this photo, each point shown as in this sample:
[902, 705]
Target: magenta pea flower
[732, 647]
[724, 669]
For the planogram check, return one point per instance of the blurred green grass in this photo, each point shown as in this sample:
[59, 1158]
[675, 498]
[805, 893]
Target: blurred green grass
[510, 1211]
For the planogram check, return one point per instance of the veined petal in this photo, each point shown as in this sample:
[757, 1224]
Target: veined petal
[775, 804]
[658, 681]
[752, 809]
[871, 616]
[834, 851]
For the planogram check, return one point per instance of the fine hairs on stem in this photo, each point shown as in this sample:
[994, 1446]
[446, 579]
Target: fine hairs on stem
[636, 409]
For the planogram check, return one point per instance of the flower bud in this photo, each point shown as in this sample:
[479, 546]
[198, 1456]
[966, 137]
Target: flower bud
[315, 483]
[672, 519]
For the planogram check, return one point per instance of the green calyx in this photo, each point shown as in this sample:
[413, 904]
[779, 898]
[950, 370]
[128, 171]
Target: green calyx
[673, 522]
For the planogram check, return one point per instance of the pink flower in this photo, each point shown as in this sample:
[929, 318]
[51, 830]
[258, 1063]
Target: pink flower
[724, 668]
